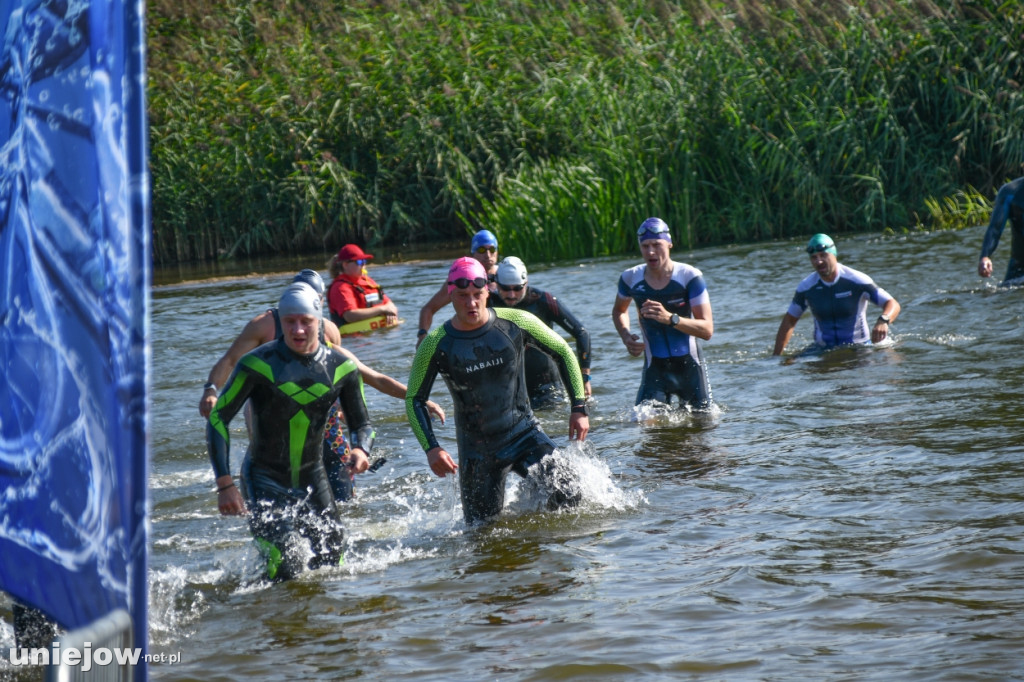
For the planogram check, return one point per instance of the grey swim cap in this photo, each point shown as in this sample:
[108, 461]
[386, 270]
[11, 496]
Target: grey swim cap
[299, 299]
[312, 278]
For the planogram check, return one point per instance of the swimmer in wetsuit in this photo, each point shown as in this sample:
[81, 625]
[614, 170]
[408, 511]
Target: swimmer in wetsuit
[542, 380]
[1009, 205]
[674, 311]
[838, 297]
[267, 327]
[479, 353]
[292, 383]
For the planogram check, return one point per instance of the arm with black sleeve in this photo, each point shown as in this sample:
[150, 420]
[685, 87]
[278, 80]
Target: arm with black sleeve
[554, 345]
[570, 323]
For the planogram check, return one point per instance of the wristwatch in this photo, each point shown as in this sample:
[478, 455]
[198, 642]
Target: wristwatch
[883, 318]
[674, 320]
[210, 386]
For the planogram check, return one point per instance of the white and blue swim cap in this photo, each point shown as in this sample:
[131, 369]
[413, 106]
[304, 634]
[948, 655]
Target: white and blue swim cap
[299, 299]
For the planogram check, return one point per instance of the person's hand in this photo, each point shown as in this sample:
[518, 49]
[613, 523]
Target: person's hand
[635, 345]
[358, 461]
[654, 310]
[435, 409]
[579, 426]
[441, 462]
[985, 266]
[390, 312]
[206, 403]
[879, 332]
[229, 497]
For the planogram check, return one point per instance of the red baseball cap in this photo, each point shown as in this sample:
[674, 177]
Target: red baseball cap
[353, 252]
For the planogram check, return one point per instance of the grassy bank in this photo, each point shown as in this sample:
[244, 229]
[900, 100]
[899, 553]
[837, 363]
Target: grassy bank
[561, 125]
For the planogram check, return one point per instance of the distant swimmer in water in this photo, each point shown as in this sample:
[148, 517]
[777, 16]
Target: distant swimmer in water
[674, 311]
[292, 383]
[838, 297]
[479, 352]
[1009, 205]
[266, 327]
[542, 380]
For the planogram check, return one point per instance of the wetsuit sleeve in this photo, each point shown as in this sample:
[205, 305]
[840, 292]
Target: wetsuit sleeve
[567, 321]
[352, 400]
[554, 345]
[231, 400]
[421, 381]
[1000, 214]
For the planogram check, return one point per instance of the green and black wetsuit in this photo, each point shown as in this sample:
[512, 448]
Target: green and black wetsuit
[283, 473]
[495, 426]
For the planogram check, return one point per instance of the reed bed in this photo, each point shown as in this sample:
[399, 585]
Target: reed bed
[298, 126]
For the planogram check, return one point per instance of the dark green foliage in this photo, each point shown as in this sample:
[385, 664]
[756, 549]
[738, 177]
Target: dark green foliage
[297, 126]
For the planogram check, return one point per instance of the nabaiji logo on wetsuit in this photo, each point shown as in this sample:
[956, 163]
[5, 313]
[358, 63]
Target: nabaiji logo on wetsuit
[484, 365]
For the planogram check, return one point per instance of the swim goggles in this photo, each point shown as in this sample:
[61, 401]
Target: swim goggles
[511, 287]
[656, 232]
[820, 246]
[464, 282]
[359, 262]
[486, 249]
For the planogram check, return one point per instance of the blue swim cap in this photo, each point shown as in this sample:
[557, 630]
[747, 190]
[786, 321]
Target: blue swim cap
[653, 228]
[821, 242]
[483, 238]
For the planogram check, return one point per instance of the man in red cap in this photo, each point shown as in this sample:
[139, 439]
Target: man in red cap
[353, 295]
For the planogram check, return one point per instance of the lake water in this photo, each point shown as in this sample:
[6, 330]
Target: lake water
[853, 516]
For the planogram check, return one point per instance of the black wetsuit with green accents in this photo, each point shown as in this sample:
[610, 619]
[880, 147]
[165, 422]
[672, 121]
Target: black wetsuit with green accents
[342, 479]
[284, 479]
[542, 380]
[495, 426]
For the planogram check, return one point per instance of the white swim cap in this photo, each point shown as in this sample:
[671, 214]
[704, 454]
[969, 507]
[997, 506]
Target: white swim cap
[511, 271]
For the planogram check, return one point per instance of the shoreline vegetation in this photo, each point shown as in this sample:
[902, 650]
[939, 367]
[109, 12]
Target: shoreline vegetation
[294, 127]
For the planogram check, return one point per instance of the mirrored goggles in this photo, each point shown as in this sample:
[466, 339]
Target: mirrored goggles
[464, 282]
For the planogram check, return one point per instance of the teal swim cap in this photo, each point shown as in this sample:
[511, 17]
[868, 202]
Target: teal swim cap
[821, 242]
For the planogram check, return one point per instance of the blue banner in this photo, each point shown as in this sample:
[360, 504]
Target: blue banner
[74, 283]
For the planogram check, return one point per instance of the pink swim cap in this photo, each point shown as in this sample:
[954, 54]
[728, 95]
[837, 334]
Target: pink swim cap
[469, 270]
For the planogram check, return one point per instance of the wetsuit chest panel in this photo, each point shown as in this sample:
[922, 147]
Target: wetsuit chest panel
[290, 404]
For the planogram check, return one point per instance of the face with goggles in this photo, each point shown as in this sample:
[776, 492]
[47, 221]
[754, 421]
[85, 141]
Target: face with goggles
[487, 256]
[512, 294]
[469, 299]
[655, 242]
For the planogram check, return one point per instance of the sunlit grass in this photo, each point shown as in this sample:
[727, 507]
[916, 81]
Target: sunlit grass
[560, 125]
